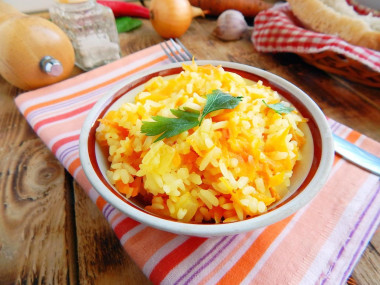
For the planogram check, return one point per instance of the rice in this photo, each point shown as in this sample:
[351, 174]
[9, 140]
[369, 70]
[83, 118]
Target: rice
[231, 167]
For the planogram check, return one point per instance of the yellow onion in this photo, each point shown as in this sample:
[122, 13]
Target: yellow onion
[172, 18]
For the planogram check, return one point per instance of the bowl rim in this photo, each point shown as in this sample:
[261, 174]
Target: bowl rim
[204, 230]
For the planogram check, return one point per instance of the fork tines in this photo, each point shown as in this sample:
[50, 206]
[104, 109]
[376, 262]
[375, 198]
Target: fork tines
[174, 52]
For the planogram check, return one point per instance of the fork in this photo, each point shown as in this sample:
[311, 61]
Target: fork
[344, 148]
[174, 52]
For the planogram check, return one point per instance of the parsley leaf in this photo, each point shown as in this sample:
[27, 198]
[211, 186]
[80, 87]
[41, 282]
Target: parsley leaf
[279, 108]
[188, 118]
[169, 127]
[218, 100]
[126, 24]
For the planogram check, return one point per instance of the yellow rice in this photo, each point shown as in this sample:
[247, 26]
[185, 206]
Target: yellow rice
[231, 167]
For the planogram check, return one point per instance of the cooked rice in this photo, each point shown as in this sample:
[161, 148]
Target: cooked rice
[231, 167]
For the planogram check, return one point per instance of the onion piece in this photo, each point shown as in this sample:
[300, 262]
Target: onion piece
[172, 18]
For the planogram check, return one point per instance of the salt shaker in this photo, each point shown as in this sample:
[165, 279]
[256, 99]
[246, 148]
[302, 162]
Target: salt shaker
[91, 28]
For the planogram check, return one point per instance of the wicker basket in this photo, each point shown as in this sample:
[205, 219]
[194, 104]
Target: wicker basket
[341, 65]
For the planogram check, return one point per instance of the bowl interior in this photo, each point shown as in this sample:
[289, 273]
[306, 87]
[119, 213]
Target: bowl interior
[313, 166]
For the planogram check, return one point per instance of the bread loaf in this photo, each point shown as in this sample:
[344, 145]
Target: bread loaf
[336, 17]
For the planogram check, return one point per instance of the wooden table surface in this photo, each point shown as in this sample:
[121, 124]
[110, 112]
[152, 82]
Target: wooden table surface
[50, 231]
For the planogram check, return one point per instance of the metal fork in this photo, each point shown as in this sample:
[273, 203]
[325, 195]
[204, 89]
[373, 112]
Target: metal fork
[174, 52]
[346, 149]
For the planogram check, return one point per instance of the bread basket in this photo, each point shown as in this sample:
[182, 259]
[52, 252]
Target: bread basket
[278, 30]
[342, 65]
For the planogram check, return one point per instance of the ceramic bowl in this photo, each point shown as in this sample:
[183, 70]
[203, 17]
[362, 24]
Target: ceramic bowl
[310, 174]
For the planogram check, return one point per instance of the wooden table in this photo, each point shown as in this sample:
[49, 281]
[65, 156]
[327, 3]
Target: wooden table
[51, 233]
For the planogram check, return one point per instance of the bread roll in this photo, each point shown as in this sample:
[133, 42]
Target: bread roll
[336, 17]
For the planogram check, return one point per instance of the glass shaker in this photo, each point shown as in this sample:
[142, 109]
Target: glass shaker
[91, 28]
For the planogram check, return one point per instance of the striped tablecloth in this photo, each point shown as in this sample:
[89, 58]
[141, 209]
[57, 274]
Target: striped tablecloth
[319, 244]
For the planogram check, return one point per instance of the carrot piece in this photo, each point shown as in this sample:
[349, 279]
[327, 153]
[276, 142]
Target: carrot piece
[249, 8]
[217, 214]
[135, 185]
[229, 213]
[131, 189]
[122, 187]
[123, 132]
[135, 159]
[190, 157]
[274, 194]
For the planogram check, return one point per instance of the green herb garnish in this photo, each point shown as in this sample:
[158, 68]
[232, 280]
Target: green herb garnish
[279, 108]
[218, 100]
[188, 118]
[126, 24]
[169, 127]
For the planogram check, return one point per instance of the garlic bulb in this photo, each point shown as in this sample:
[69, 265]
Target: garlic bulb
[230, 25]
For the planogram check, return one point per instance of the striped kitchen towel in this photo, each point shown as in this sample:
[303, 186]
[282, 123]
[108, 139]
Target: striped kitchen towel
[319, 244]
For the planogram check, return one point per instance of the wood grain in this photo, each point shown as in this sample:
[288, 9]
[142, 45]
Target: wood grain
[97, 242]
[52, 233]
[32, 212]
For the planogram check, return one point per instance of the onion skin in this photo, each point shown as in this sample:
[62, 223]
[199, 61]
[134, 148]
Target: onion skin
[25, 40]
[170, 18]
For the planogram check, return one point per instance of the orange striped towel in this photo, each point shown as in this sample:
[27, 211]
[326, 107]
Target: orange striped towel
[319, 244]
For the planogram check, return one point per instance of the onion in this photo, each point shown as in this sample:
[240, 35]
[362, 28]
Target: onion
[172, 18]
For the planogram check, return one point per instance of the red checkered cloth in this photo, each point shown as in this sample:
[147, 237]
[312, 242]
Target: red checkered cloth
[278, 30]
[361, 9]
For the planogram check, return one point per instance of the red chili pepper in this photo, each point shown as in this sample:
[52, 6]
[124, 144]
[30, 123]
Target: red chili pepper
[121, 9]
